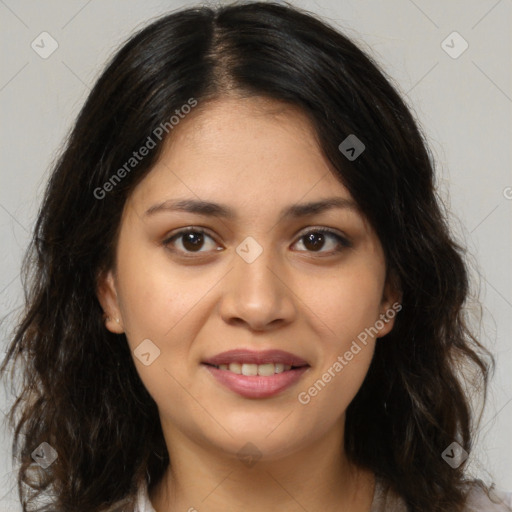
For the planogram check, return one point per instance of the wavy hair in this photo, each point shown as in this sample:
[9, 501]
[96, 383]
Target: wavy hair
[80, 389]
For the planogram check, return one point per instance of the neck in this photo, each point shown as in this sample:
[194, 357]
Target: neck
[318, 477]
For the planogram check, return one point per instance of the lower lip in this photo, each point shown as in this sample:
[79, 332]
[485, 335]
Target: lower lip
[255, 386]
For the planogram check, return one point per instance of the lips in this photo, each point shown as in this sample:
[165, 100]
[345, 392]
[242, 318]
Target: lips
[243, 356]
[256, 386]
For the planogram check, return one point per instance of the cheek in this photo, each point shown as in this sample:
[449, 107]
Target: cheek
[345, 312]
[154, 295]
[346, 304]
[158, 305]
[337, 380]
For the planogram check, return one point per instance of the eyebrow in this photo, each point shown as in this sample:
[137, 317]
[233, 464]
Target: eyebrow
[210, 209]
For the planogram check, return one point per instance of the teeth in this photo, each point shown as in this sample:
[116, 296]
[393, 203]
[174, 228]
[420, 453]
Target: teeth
[249, 369]
[279, 368]
[264, 370]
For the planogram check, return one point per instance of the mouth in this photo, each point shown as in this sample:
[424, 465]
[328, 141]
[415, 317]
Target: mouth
[250, 362]
[254, 374]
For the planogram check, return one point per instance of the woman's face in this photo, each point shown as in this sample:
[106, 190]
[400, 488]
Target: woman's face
[259, 279]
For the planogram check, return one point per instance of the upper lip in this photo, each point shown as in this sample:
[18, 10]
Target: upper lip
[256, 357]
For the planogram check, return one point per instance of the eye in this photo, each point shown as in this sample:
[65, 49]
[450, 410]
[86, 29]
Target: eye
[315, 240]
[191, 240]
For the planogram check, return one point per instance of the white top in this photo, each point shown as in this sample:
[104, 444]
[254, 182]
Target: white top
[143, 504]
[384, 500]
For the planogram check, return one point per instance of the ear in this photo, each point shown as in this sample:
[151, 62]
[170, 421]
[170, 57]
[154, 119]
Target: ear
[391, 304]
[107, 295]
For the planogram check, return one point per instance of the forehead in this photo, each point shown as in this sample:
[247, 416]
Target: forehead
[246, 151]
[252, 130]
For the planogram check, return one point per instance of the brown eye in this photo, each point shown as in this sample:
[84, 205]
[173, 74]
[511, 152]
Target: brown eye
[315, 240]
[192, 240]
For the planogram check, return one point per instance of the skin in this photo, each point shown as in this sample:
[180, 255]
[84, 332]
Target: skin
[256, 156]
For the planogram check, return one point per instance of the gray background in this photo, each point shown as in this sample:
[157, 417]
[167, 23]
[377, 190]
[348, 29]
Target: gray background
[463, 105]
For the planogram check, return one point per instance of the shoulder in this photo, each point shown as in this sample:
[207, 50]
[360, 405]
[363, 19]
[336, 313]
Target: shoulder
[479, 500]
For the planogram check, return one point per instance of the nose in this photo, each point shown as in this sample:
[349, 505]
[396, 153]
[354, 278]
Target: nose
[257, 294]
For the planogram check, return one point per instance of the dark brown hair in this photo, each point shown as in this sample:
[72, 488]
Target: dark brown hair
[80, 389]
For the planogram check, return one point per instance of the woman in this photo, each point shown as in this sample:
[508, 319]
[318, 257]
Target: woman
[244, 293]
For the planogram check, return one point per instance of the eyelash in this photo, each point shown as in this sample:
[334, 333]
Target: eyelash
[343, 242]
